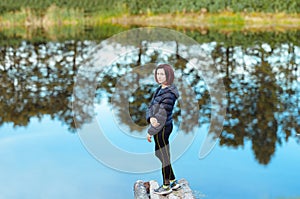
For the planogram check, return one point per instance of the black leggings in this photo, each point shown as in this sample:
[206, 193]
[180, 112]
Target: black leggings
[162, 151]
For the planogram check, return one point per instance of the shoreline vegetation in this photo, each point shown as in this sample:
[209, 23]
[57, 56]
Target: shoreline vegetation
[224, 21]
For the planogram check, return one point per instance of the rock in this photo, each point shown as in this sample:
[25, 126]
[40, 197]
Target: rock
[140, 190]
[153, 185]
[184, 192]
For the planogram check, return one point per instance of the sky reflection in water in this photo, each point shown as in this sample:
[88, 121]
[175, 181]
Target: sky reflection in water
[44, 160]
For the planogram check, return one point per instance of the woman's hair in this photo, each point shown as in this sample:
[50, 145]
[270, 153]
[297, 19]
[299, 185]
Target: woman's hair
[168, 71]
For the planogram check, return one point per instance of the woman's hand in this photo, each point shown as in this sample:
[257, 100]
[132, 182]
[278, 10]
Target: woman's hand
[149, 137]
[154, 122]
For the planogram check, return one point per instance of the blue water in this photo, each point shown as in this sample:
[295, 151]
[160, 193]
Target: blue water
[45, 160]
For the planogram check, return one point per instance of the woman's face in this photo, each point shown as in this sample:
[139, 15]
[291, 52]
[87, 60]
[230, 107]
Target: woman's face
[161, 76]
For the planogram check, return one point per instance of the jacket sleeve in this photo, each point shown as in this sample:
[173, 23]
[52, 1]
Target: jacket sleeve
[161, 116]
[150, 111]
[160, 113]
[149, 114]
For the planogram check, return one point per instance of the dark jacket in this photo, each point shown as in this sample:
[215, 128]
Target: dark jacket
[161, 107]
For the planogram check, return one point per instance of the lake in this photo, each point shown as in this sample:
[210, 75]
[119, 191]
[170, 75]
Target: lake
[52, 97]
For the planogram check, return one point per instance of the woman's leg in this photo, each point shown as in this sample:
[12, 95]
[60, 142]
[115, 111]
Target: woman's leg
[162, 151]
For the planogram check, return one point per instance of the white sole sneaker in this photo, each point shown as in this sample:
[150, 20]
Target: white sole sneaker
[177, 186]
[163, 192]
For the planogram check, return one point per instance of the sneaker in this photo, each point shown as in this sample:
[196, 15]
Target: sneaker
[163, 191]
[174, 185]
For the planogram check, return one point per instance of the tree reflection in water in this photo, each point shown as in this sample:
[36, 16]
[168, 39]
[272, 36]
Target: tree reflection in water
[262, 85]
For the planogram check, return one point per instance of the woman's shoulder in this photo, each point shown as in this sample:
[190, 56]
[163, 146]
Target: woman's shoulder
[171, 91]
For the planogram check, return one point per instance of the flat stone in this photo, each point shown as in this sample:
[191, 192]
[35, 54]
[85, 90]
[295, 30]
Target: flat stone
[184, 192]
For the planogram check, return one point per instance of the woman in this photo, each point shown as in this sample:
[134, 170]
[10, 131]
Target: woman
[159, 115]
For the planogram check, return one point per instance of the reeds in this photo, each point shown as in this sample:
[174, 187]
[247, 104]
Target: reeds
[224, 20]
[52, 16]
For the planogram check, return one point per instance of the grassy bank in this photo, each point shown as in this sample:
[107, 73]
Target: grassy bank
[224, 21]
[53, 16]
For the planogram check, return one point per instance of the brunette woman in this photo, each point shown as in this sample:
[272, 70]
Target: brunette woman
[159, 115]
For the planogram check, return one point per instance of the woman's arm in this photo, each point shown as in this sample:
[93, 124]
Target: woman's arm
[154, 122]
[149, 114]
[159, 119]
[150, 110]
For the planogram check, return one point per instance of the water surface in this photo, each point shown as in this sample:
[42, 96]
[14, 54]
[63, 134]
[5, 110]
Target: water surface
[256, 156]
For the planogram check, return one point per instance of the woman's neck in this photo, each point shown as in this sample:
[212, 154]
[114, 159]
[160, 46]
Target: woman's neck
[164, 86]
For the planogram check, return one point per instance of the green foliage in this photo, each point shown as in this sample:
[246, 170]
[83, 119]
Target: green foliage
[172, 6]
[90, 6]
[113, 7]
